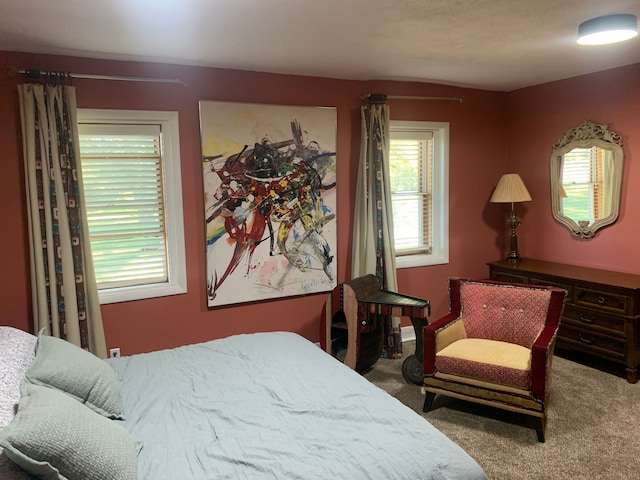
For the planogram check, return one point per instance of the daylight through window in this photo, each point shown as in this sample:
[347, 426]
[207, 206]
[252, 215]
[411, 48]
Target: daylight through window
[138, 250]
[418, 167]
[582, 177]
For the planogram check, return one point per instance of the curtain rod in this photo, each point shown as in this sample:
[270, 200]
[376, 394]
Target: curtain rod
[40, 73]
[381, 97]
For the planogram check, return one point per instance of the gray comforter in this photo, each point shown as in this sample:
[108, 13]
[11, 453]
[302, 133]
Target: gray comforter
[274, 406]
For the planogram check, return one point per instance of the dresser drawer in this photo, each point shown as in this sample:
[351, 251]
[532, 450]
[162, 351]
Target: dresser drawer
[588, 319]
[603, 300]
[508, 277]
[589, 341]
[541, 281]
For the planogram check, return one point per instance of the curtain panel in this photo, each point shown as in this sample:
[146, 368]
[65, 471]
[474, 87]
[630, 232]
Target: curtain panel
[64, 292]
[372, 249]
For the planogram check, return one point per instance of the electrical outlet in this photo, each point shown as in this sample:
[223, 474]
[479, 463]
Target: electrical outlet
[114, 352]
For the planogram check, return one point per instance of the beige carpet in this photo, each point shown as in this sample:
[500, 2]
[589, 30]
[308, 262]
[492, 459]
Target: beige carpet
[593, 426]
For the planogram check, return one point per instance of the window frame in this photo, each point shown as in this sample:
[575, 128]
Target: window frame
[440, 193]
[172, 187]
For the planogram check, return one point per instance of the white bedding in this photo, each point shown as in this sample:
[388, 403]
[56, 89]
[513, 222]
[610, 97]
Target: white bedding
[274, 406]
[17, 351]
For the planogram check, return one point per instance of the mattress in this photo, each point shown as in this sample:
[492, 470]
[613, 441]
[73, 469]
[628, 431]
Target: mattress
[274, 406]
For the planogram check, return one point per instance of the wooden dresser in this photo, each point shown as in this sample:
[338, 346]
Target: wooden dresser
[601, 313]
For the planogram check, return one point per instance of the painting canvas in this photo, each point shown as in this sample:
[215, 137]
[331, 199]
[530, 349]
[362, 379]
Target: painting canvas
[269, 175]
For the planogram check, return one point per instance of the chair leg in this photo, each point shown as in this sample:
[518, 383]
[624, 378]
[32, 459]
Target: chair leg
[428, 400]
[540, 429]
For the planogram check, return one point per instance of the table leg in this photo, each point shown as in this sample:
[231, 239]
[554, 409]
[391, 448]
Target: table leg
[412, 367]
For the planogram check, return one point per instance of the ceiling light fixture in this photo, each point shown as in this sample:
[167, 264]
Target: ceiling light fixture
[608, 29]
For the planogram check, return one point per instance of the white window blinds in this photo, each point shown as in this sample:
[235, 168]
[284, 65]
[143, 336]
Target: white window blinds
[410, 164]
[122, 176]
[582, 183]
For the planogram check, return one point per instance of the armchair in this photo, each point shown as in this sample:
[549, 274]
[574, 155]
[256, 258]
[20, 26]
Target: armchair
[495, 346]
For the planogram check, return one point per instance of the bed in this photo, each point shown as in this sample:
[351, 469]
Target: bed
[255, 406]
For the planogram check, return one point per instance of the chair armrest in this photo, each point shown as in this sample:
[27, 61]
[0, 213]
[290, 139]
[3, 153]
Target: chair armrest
[542, 349]
[434, 339]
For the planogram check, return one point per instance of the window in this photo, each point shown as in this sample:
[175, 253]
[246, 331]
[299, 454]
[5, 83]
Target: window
[133, 196]
[419, 174]
[582, 178]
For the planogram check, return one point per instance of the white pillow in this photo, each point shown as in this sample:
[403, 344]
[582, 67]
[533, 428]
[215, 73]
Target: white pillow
[17, 351]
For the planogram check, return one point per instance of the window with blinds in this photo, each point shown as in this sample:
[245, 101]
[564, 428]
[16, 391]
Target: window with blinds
[582, 179]
[419, 177]
[133, 198]
[410, 165]
[122, 176]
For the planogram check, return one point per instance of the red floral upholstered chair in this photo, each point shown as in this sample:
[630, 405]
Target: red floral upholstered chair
[495, 346]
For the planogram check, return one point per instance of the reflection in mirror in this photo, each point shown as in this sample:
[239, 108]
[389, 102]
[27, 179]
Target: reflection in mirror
[586, 173]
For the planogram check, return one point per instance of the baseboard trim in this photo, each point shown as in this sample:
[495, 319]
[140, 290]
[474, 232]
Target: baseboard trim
[408, 334]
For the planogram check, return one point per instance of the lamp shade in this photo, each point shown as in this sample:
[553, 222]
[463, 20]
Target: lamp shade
[608, 29]
[510, 189]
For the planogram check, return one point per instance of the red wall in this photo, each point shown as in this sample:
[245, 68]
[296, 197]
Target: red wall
[489, 131]
[538, 116]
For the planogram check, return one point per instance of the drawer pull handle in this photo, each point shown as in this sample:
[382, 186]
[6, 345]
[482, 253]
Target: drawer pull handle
[601, 300]
[588, 341]
[587, 319]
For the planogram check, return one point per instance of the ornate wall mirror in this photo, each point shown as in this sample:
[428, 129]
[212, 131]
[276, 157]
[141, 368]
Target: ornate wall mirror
[586, 177]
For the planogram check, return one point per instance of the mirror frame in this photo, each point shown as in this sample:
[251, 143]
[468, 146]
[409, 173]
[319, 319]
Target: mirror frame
[586, 135]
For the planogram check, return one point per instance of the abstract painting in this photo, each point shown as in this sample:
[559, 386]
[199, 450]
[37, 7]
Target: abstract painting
[269, 174]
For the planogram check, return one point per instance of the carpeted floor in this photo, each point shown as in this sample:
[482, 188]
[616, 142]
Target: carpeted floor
[592, 428]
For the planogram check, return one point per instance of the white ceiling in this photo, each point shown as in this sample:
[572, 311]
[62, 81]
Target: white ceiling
[489, 44]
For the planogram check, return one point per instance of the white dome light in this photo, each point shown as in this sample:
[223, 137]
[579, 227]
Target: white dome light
[608, 29]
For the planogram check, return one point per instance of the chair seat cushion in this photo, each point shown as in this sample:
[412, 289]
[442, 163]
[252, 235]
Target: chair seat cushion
[488, 360]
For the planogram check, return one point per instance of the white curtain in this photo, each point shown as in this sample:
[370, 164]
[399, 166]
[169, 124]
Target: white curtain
[64, 293]
[373, 251]
[372, 248]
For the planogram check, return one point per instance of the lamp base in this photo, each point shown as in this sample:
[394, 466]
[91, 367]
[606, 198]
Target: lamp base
[513, 222]
[514, 258]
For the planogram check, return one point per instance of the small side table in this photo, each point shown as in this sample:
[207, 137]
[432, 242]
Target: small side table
[355, 308]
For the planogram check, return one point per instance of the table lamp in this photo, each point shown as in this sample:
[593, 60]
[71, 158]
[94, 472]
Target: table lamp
[511, 189]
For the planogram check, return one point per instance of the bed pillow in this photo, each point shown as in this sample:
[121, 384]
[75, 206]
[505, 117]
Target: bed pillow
[17, 351]
[78, 373]
[55, 437]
